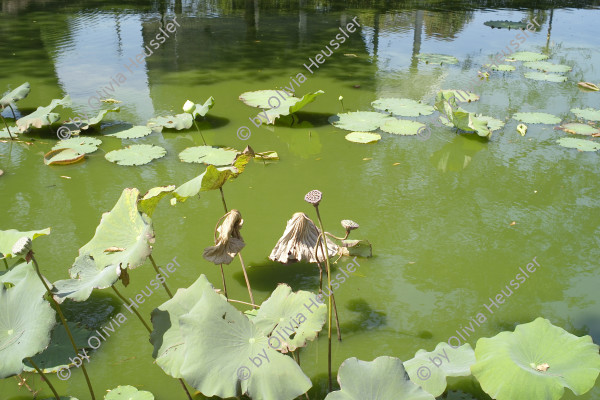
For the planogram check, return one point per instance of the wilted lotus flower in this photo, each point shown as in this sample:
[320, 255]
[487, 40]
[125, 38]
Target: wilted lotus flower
[313, 197]
[188, 106]
[230, 241]
[299, 240]
[22, 247]
[349, 225]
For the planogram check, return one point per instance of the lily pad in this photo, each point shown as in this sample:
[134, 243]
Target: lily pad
[82, 145]
[501, 67]
[588, 113]
[449, 361]
[363, 137]
[579, 144]
[136, 154]
[289, 106]
[9, 237]
[403, 107]
[198, 109]
[128, 393]
[539, 360]
[402, 127]
[580, 129]
[63, 156]
[43, 116]
[381, 379]
[260, 98]
[460, 118]
[462, 96]
[361, 121]
[437, 58]
[529, 56]
[179, 122]
[18, 94]
[506, 24]
[208, 155]
[546, 66]
[211, 179]
[541, 76]
[133, 132]
[148, 203]
[493, 124]
[537, 118]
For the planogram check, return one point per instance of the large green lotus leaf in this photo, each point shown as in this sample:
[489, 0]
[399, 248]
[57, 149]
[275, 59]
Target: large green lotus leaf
[536, 361]
[528, 56]
[18, 94]
[208, 155]
[75, 127]
[284, 312]
[9, 237]
[63, 156]
[289, 106]
[403, 107]
[381, 379]
[461, 96]
[437, 58]
[134, 132]
[588, 113]
[148, 203]
[363, 137]
[501, 67]
[136, 154]
[26, 320]
[546, 66]
[541, 76]
[493, 124]
[14, 132]
[580, 129]
[362, 121]
[448, 362]
[202, 109]
[179, 121]
[128, 393]
[460, 118]
[43, 116]
[82, 145]
[211, 179]
[579, 144]
[506, 24]
[537, 118]
[260, 98]
[60, 350]
[402, 127]
[220, 340]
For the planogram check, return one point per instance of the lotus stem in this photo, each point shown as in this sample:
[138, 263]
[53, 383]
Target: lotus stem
[223, 198]
[44, 378]
[164, 284]
[185, 388]
[223, 278]
[8, 130]
[13, 111]
[335, 237]
[133, 309]
[6, 264]
[242, 302]
[337, 321]
[201, 135]
[63, 321]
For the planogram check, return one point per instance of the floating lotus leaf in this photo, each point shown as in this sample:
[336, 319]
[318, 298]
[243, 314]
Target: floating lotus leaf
[579, 144]
[18, 94]
[506, 24]
[355, 247]
[260, 98]
[43, 116]
[203, 339]
[402, 127]
[528, 56]
[267, 155]
[580, 129]
[26, 320]
[208, 155]
[128, 393]
[493, 124]
[148, 203]
[198, 109]
[541, 76]
[588, 86]
[460, 118]
[363, 137]
[437, 59]
[381, 379]
[546, 66]
[136, 154]
[537, 118]
[82, 145]
[63, 156]
[179, 121]
[501, 67]
[361, 121]
[403, 107]
[588, 113]
[9, 237]
[289, 106]
[462, 96]
[211, 179]
[539, 360]
[134, 132]
[448, 362]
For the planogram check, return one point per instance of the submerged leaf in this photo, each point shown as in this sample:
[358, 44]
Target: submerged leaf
[579, 144]
[136, 154]
[17, 94]
[437, 58]
[528, 56]
[208, 155]
[537, 118]
[587, 113]
[546, 66]
[63, 156]
[361, 121]
[403, 107]
[82, 145]
[363, 137]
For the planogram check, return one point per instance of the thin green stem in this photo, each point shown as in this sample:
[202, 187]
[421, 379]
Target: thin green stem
[199, 132]
[13, 111]
[164, 284]
[132, 309]
[64, 322]
[223, 278]
[6, 264]
[223, 198]
[44, 377]
[7, 130]
[320, 240]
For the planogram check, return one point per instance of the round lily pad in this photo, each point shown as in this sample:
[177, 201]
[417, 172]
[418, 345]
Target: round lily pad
[537, 118]
[134, 132]
[506, 24]
[208, 155]
[501, 67]
[179, 121]
[62, 157]
[437, 58]
[541, 76]
[462, 96]
[128, 393]
[81, 144]
[137, 154]
[546, 66]
[402, 127]
[493, 124]
[260, 98]
[361, 121]
[579, 144]
[528, 56]
[588, 113]
[580, 129]
[403, 107]
[363, 137]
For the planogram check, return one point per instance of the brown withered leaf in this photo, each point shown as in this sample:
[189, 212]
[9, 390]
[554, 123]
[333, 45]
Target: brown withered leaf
[542, 367]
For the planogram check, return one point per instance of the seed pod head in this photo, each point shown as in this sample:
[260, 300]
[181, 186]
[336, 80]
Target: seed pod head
[313, 197]
[349, 225]
[21, 247]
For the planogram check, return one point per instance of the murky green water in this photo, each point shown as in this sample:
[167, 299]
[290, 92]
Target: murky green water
[438, 212]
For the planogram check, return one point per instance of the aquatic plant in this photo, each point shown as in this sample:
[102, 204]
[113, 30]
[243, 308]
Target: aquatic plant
[136, 154]
[286, 106]
[12, 97]
[198, 110]
[43, 116]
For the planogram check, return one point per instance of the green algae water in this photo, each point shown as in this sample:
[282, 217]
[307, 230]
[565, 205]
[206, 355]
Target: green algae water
[453, 219]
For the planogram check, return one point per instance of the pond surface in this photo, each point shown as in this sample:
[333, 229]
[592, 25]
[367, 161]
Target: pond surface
[451, 218]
